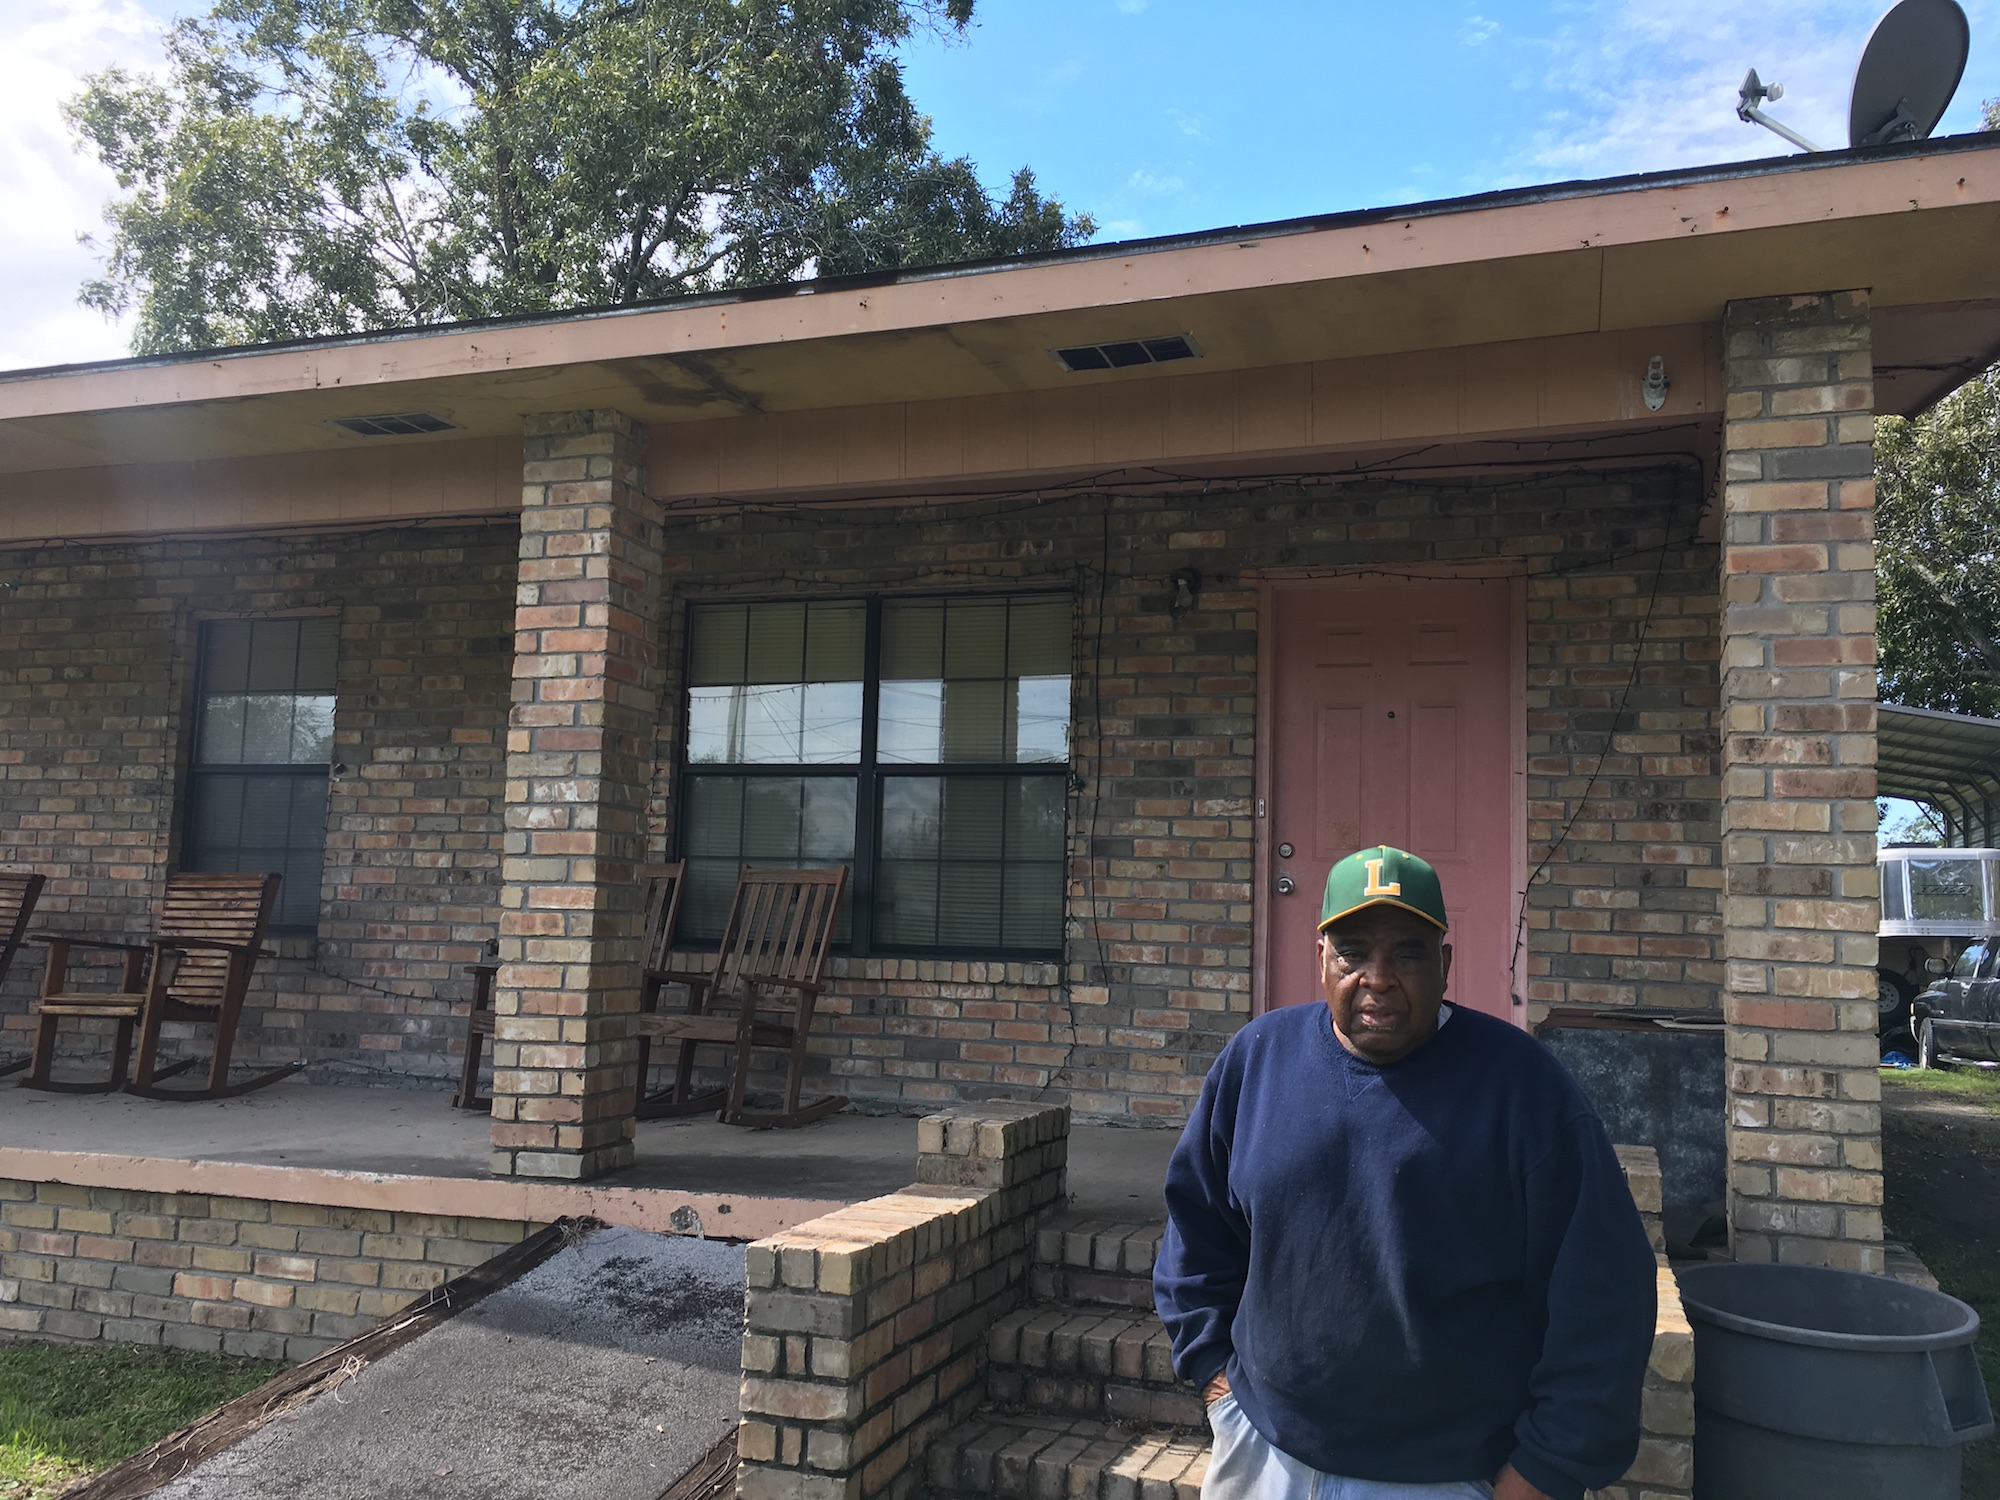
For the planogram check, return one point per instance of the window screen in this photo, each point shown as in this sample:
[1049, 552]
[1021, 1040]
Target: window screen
[923, 742]
[263, 746]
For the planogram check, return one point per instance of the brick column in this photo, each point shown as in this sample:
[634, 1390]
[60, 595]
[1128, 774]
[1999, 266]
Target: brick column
[864, 1332]
[1798, 759]
[579, 759]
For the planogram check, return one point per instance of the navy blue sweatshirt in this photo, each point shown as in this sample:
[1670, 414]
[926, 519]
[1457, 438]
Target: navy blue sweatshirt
[1412, 1273]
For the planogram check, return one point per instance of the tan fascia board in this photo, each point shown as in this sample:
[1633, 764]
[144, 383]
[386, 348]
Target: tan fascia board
[1575, 393]
[1572, 401]
[1718, 205]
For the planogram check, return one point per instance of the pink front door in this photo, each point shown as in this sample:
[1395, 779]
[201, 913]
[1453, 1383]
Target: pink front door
[1392, 721]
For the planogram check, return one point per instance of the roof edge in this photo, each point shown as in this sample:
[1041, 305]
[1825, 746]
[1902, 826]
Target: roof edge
[1081, 254]
[1937, 715]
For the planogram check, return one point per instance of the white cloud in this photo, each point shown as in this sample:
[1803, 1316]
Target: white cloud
[1643, 87]
[1477, 31]
[1051, 88]
[49, 193]
[1155, 185]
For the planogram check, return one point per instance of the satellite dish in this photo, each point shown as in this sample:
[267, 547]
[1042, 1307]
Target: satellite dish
[1909, 70]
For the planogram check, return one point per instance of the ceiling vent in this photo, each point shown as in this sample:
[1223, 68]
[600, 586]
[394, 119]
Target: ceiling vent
[1128, 353]
[395, 424]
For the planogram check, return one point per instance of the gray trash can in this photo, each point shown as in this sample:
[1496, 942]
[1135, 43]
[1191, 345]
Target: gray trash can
[1812, 1384]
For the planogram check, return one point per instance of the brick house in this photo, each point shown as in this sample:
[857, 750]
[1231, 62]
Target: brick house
[1086, 605]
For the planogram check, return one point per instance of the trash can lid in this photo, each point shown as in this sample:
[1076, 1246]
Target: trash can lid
[1824, 1308]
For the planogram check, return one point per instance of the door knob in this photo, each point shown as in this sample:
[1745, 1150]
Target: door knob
[1285, 886]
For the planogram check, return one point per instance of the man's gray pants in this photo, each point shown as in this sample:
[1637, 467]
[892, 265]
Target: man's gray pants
[1245, 1466]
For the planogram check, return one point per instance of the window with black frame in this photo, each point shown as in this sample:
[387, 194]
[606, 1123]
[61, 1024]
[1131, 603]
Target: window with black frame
[263, 750]
[922, 741]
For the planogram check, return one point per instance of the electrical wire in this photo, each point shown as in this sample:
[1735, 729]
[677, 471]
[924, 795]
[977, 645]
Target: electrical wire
[1126, 492]
[1611, 732]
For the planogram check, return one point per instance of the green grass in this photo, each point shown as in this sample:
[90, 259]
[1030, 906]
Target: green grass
[72, 1409]
[1973, 1085]
[1970, 1274]
[1965, 1267]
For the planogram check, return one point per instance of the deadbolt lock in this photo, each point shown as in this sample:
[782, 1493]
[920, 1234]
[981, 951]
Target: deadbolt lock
[1285, 885]
[1284, 851]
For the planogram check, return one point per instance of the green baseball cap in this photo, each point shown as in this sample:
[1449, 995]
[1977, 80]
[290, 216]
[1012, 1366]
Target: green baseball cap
[1382, 876]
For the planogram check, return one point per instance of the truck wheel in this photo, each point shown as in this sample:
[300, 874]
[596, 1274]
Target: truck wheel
[1926, 1045]
[1893, 994]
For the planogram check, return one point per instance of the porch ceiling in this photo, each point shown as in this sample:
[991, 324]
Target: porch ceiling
[1949, 760]
[1915, 224]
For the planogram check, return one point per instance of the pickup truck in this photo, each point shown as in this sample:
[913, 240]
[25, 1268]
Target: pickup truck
[1937, 990]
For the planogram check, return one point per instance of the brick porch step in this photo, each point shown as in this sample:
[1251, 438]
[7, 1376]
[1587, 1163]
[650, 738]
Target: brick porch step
[1108, 1262]
[1100, 1361]
[1048, 1458]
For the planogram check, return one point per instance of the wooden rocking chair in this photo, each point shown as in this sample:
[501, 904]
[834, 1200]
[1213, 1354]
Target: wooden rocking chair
[762, 994]
[197, 967]
[663, 906]
[19, 890]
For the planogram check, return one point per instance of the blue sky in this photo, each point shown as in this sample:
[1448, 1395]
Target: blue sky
[1156, 116]
[1167, 115]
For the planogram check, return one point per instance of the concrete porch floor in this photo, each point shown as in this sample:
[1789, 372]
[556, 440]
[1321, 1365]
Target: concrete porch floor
[409, 1151]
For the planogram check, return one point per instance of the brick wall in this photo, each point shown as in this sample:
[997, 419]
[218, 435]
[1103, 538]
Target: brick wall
[1622, 776]
[1664, 1469]
[1805, 1133]
[242, 1275]
[864, 1330]
[95, 686]
[1621, 794]
[579, 744]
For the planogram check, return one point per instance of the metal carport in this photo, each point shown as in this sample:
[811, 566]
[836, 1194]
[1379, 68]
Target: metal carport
[1951, 762]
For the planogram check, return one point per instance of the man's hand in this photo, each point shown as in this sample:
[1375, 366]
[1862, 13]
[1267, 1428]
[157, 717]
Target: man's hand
[1509, 1485]
[1215, 1390]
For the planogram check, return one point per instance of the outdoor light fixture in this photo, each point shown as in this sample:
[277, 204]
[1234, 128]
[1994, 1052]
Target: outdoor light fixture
[1187, 588]
[1655, 386]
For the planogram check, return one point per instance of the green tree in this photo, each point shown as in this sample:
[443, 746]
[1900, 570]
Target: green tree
[332, 166]
[1937, 483]
[1908, 823]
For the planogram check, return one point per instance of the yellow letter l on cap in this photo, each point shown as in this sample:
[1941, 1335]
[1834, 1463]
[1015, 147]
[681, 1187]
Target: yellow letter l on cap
[1376, 887]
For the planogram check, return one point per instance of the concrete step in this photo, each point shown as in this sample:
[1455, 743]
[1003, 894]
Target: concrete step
[1048, 1458]
[1089, 1361]
[1106, 1262]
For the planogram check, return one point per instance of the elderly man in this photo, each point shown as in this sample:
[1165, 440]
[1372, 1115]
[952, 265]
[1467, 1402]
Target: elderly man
[1401, 1261]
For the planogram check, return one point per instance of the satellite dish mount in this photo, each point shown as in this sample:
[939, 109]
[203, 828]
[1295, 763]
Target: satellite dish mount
[1753, 93]
[1908, 72]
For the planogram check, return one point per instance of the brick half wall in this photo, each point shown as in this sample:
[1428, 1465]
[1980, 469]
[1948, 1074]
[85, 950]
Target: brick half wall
[1664, 1469]
[240, 1275]
[865, 1330]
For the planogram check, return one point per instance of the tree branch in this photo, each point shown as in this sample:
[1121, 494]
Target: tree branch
[1969, 634]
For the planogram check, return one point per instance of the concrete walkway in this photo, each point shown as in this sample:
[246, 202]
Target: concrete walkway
[356, 1146]
[605, 1373]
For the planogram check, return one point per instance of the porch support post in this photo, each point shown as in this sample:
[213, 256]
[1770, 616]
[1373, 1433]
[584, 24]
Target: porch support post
[579, 761]
[1798, 761]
